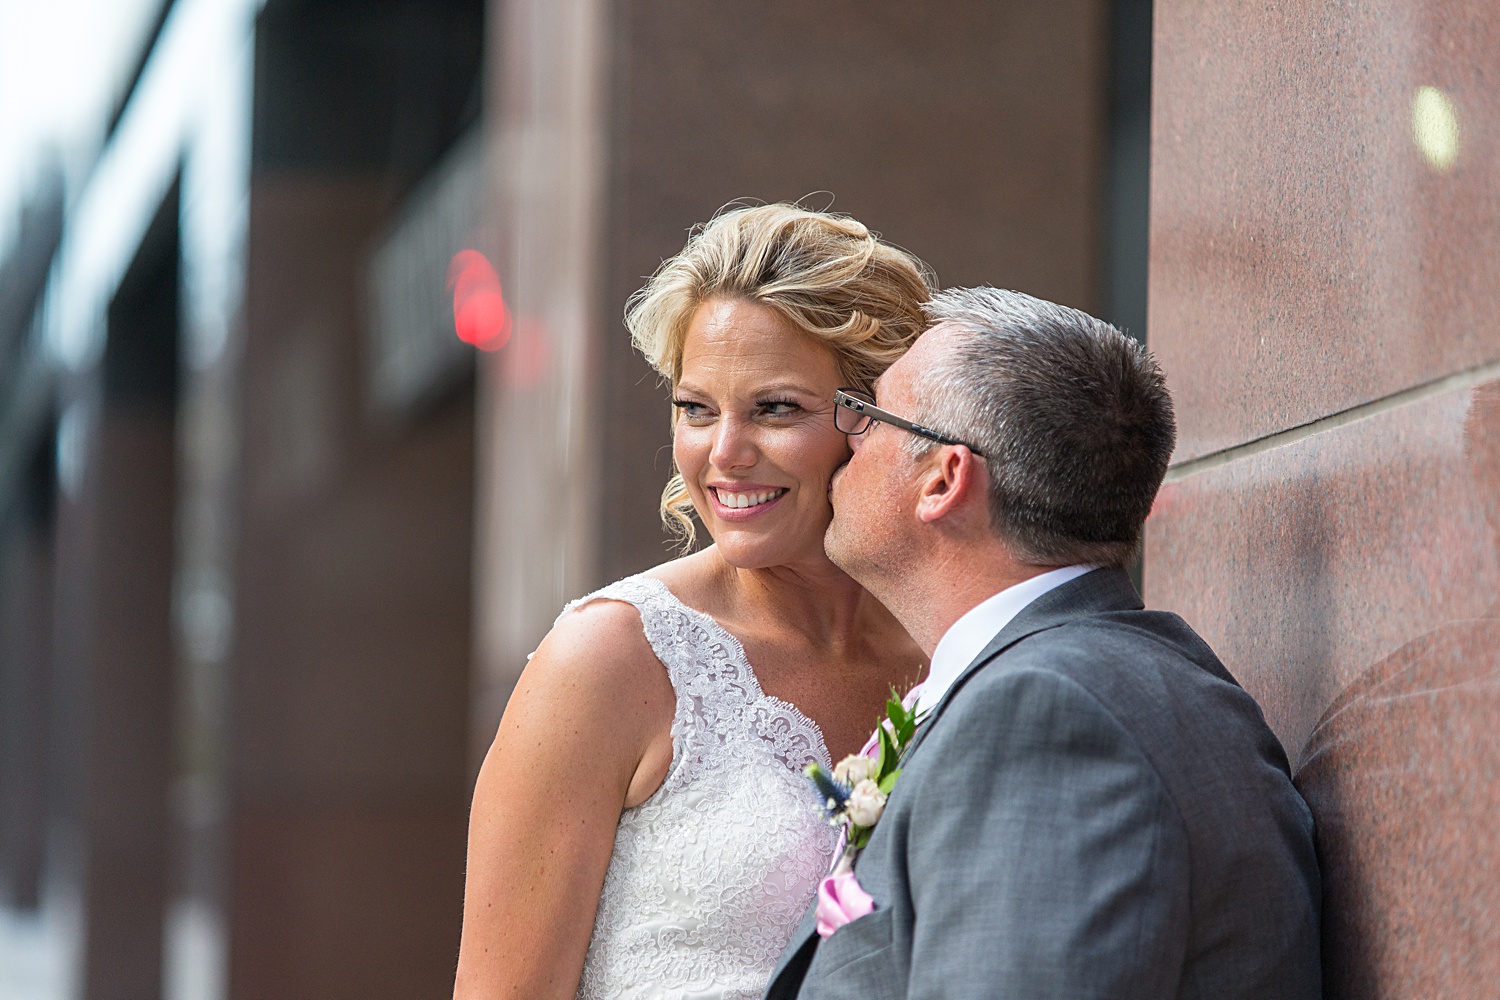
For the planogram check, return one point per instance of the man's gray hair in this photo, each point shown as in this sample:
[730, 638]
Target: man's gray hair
[1073, 417]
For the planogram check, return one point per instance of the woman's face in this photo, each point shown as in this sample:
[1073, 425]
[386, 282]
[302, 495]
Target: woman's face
[755, 438]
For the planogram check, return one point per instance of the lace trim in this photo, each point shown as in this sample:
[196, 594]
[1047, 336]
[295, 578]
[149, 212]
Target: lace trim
[713, 692]
[709, 875]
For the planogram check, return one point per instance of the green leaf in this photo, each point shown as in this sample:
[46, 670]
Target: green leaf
[889, 756]
[889, 781]
[894, 706]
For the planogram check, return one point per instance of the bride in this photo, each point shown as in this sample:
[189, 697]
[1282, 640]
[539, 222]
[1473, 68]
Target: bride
[641, 826]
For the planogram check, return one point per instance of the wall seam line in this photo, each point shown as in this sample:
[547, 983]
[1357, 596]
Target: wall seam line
[1466, 379]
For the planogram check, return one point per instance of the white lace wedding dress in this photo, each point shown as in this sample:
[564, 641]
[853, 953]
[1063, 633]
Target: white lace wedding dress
[712, 873]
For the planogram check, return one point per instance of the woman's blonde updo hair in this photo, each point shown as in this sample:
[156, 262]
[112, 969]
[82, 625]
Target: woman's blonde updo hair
[827, 274]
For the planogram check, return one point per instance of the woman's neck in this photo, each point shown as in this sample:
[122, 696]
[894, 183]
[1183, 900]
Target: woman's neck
[812, 597]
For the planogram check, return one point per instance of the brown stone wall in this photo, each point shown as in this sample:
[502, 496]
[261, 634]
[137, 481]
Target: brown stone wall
[1323, 273]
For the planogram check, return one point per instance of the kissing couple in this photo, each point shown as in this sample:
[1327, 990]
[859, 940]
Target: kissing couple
[933, 492]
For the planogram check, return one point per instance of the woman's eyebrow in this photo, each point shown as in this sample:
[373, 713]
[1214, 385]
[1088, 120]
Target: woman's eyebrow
[761, 390]
[787, 387]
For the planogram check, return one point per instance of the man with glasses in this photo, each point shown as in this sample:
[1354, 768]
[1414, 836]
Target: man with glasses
[1092, 807]
[855, 411]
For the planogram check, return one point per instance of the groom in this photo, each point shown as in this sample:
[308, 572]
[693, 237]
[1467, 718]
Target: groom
[1093, 808]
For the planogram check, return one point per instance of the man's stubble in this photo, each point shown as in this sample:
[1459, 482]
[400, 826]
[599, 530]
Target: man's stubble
[872, 548]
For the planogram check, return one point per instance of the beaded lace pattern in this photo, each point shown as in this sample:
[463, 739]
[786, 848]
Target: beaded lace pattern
[710, 875]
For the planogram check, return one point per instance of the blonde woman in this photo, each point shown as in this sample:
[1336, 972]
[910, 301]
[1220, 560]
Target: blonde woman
[641, 826]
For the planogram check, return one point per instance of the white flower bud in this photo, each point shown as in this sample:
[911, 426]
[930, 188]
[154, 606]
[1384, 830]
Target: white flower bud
[853, 769]
[866, 803]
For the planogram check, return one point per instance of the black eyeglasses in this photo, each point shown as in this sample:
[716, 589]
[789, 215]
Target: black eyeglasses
[854, 412]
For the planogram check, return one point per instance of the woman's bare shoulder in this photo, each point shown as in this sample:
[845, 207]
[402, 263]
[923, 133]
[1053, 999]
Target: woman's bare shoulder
[594, 695]
[601, 644]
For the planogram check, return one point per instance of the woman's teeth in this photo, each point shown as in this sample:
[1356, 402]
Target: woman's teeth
[746, 499]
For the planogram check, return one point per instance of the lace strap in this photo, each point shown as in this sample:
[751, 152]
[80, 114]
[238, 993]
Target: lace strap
[719, 699]
[658, 609]
[663, 618]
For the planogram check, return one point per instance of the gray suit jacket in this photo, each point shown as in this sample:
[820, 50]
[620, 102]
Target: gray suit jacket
[1094, 810]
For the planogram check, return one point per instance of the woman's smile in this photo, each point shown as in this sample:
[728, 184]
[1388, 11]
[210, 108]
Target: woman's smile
[755, 438]
[742, 501]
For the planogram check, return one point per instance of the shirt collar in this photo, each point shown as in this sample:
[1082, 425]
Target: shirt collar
[968, 636]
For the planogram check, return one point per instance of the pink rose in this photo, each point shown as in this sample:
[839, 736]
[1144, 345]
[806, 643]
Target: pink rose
[866, 803]
[853, 769]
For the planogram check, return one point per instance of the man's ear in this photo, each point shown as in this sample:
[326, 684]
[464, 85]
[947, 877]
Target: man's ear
[950, 485]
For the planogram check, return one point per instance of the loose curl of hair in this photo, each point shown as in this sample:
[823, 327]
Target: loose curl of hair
[826, 273]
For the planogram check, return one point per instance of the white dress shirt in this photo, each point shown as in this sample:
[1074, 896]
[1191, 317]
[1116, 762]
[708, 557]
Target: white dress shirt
[969, 635]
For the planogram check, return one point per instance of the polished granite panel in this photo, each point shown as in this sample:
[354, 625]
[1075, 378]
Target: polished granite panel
[1306, 564]
[1324, 224]
[1403, 776]
[1351, 581]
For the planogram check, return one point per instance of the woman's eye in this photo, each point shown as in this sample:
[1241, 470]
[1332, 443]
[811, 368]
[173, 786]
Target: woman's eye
[779, 407]
[690, 409]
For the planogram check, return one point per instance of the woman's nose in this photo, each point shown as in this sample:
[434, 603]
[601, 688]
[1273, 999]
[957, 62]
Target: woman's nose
[734, 445]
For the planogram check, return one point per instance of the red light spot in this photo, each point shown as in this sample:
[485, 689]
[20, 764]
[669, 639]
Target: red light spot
[480, 316]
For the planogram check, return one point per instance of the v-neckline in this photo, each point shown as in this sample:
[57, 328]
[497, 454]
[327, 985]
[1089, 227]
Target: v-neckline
[738, 649]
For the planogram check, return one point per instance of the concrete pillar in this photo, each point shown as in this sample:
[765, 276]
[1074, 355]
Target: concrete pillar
[26, 580]
[115, 651]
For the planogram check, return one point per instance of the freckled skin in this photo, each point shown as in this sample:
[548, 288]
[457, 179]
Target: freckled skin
[567, 760]
[815, 637]
[761, 412]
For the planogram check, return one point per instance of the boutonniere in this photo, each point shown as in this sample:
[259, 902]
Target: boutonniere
[854, 795]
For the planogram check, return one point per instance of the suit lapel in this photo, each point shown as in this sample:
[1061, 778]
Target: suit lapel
[1101, 590]
[1106, 589]
[792, 967]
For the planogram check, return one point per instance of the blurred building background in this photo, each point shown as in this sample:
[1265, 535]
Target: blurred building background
[275, 541]
[236, 463]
